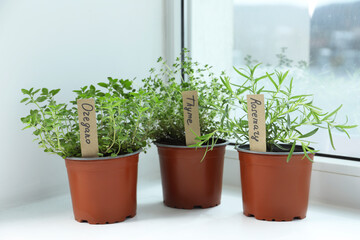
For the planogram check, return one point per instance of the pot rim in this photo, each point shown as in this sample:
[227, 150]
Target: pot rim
[103, 158]
[180, 146]
[247, 150]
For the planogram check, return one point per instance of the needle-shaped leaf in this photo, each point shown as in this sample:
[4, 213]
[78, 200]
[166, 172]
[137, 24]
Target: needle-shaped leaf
[291, 151]
[332, 113]
[309, 134]
[240, 73]
[272, 80]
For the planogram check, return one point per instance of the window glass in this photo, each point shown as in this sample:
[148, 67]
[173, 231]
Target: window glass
[319, 41]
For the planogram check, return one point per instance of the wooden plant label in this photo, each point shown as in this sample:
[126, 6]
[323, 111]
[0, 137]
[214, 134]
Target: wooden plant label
[191, 116]
[88, 129]
[256, 118]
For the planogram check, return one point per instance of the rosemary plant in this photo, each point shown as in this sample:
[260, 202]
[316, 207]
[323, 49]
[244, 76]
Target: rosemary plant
[285, 112]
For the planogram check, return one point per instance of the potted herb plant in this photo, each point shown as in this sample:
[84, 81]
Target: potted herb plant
[275, 183]
[103, 188]
[188, 178]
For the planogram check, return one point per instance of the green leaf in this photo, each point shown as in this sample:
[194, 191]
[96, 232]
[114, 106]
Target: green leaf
[37, 132]
[331, 138]
[54, 92]
[288, 122]
[281, 147]
[291, 151]
[262, 77]
[346, 126]
[343, 130]
[309, 134]
[225, 114]
[126, 83]
[102, 84]
[24, 100]
[226, 83]
[283, 76]
[260, 90]
[291, 85]
[252, 70]
[41, 99]
[25, 119]
[240, 73]
[28, 126]
[316, 117]
[237, 136]
[332, 113]
[44, 91]
[272, 80]
[203, 137]
[300, 96]
[244, 89]
[24, 91]
[305, 149]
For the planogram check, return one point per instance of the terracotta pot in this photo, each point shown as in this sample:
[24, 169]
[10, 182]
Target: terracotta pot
[273, 189]
[103, 190]
[186, 181]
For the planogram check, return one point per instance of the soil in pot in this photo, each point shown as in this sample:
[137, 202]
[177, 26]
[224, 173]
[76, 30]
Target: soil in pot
[186, 181]
[103, 190]
[273, 189]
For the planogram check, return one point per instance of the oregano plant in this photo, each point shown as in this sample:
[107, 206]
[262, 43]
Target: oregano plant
[122, 114]
[54, 124]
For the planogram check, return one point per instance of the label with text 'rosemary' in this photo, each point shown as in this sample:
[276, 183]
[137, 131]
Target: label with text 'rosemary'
[88, 129]
[256, 118]
[191, 116]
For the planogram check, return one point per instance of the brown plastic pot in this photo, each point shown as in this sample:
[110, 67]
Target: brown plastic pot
[273, 189]
[103, 190]
[186, 181]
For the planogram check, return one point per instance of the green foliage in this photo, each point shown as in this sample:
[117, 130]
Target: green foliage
[122, 119]
[282, 61]
[166, 86]
[285, 112]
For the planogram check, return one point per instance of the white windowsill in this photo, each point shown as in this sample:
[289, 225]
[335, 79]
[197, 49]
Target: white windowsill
[53, 219]
[334, 210]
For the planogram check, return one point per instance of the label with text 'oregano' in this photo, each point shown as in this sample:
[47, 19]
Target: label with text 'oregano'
[191, 116]
[256, 118]
[88, 129]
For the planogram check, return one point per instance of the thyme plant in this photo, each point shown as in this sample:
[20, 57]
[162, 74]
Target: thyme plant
[166, 84]
[285, 113]
[122, 119]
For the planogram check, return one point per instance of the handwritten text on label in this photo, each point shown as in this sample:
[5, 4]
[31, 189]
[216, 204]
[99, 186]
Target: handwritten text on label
[87, 109]
[191, 116]
[88, 128]
[256, 119]
[254, 103]
[189, 105]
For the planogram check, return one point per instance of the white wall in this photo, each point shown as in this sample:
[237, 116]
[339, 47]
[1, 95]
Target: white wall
[65, 44]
